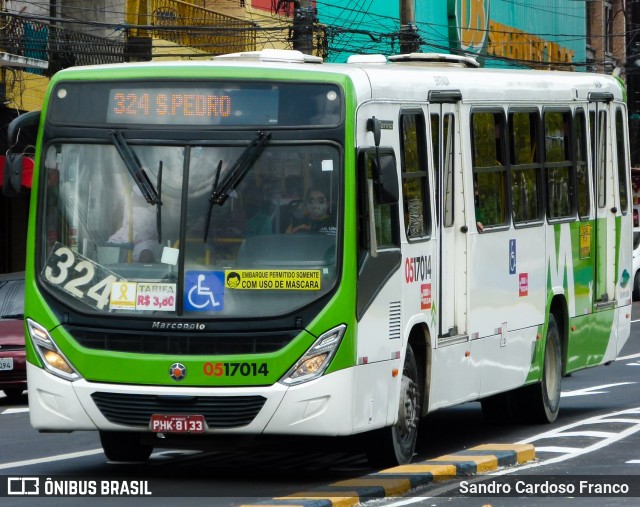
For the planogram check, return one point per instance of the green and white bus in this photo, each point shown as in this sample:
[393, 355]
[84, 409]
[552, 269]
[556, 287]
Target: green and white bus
[264, 245]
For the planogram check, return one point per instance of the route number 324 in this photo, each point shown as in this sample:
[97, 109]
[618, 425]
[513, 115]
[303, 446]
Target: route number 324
[78, 276]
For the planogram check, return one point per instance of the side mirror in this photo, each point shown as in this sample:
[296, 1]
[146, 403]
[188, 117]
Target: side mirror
[385, 178]
[12, 181]
[26, 120]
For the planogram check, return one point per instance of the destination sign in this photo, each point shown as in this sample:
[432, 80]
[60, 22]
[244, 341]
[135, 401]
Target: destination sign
[203, 103]
[193, 106]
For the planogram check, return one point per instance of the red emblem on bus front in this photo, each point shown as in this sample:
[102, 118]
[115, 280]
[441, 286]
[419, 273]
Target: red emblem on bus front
[177, 371]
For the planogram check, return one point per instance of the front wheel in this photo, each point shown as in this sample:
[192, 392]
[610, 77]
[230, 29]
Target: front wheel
[124, 446]
[394, 445]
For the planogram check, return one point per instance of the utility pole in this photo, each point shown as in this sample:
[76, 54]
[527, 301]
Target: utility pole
[409, 38]
[304, 17]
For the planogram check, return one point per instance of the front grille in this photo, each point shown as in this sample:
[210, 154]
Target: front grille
[218, 411]
[179, 343]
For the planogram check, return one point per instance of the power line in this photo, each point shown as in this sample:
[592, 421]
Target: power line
[344, 38]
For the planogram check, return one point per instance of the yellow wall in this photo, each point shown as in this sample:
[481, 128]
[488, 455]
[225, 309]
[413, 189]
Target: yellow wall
[25, 91]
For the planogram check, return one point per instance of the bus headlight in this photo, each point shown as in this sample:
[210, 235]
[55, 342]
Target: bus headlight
[316, 360]
[51, 356]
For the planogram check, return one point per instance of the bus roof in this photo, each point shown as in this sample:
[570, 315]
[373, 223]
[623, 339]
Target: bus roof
[406, 77]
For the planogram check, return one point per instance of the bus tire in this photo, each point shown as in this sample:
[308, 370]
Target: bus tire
[124, 446]
[636, 286]
[541, 401]
[395, 445]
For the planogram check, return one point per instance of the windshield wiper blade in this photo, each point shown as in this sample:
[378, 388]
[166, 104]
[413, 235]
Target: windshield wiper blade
[239, 169]
[213, 189]
[135, 168]
[219, 194]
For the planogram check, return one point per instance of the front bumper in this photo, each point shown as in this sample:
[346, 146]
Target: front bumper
[319, 407]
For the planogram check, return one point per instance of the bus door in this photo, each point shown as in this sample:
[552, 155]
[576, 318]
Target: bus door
[604, 239]
[449, 195]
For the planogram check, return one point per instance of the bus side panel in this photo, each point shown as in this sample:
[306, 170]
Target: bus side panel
[515, 349]
[623, 332]
[455, 374]
[589, 338]
[591, 335]
[507, 291]
[380, 342]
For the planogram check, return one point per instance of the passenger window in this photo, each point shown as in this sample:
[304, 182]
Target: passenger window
[558, 161]
[489, 171]
[582, 174]
[448, 169]
[435, 143]
[385, 216]
[444, 190]
[415, 183]
[525, 168]
[622, 162]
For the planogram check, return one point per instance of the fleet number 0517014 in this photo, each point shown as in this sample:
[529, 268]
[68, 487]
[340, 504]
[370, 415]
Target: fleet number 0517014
[235, 369]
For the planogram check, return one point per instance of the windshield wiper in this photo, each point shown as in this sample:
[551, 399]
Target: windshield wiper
[135, 168]
[239, 169]
[220, 193]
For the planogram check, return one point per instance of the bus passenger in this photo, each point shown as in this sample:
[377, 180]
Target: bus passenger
[317, 215]
[138, 229]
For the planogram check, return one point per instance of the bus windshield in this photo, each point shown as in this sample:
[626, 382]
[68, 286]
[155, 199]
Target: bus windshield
[269, 248]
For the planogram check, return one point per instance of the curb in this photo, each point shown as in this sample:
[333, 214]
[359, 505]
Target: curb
[399, 480]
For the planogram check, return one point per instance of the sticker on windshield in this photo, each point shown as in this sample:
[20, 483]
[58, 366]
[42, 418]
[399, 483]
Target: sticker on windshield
[204, 291]
[272, 279]
[142, 296]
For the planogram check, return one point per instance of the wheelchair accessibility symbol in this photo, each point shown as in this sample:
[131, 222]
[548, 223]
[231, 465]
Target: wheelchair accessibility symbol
[204, 291]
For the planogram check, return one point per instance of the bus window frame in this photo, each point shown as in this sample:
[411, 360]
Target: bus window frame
[570, 163]
[620, 113]
[422, 173]
[374, 268]
[500, 167]
[585, 149]
[536, 164]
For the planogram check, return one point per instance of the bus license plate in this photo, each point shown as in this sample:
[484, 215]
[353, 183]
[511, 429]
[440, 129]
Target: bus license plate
[6, 363]
[166, 423]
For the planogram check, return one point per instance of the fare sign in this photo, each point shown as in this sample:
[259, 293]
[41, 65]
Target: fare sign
[167, 423]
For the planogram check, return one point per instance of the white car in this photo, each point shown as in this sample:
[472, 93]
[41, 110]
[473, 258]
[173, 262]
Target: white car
[636, 263]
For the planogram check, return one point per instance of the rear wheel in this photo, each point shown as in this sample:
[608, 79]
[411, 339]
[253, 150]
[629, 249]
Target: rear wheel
[541, 402]
[124, 446]
[636, 286]
[394, 445]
